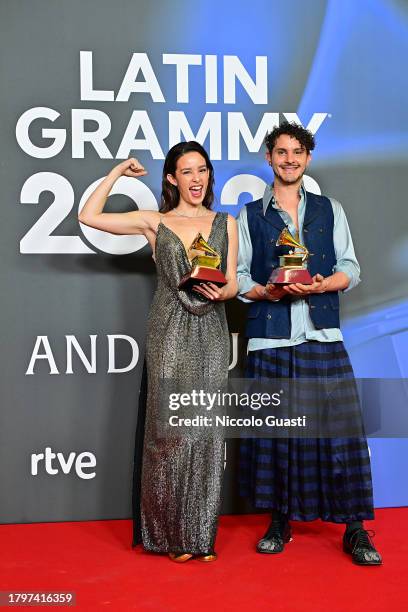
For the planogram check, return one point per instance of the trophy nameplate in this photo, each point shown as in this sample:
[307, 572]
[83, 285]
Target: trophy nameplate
[205, 263]
[292, 267]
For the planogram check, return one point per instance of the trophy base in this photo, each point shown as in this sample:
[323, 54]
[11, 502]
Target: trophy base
[287, 276]
[200, 274]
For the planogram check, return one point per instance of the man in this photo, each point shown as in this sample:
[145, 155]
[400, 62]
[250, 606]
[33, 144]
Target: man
[293, 332]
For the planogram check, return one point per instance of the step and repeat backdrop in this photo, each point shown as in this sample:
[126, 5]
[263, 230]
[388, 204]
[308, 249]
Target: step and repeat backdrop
[87, 84]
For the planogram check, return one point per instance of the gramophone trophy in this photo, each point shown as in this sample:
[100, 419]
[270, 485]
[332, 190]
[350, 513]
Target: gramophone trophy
[292, 267]
[205, 263]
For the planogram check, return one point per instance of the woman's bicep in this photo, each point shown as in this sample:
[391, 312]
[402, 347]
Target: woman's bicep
[134, 222]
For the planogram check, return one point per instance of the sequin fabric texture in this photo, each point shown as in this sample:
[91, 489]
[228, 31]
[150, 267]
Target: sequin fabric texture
[187, 340]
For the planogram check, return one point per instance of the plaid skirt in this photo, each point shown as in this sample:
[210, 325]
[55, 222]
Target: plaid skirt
[306, 479]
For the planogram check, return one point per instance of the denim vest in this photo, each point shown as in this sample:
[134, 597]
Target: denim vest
[272, 319]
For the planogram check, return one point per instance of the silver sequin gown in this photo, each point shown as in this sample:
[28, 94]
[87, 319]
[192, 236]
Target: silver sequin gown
[187, 339]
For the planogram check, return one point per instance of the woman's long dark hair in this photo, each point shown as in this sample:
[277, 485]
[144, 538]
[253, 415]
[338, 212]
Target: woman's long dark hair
[170, 195]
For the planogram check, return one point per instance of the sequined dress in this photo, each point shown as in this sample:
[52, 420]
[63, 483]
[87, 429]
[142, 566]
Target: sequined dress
[187, 339]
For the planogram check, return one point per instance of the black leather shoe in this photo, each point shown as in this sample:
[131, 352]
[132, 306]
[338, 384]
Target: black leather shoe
[360, 546]
[274, 540]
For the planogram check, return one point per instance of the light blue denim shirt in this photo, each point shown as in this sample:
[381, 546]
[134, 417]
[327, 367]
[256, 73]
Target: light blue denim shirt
[302, 325]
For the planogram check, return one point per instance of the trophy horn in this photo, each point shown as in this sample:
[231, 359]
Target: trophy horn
[291, 267]
[205, 262]
[202, 246]
[286, 239]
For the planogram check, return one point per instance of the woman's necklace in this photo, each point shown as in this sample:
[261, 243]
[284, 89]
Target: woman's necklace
[179, 214]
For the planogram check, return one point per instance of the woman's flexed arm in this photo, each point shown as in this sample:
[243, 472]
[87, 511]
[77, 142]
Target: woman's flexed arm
[135, 222]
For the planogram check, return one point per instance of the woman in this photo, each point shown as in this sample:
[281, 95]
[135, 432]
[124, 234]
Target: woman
[187, 341]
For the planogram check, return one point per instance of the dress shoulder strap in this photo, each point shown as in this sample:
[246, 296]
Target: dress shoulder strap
[222, 218]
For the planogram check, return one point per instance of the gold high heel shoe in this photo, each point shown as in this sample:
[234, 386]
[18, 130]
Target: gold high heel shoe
[206, 558]
[180, 558]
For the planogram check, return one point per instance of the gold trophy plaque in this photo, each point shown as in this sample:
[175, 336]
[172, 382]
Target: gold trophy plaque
[205, 263]
[292, 267]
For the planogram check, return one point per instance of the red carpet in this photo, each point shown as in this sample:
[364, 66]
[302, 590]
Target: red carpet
[95, 560]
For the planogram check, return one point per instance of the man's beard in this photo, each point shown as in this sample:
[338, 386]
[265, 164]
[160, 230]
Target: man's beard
[289, 181]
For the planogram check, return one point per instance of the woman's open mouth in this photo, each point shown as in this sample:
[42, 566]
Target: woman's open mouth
[196, 191]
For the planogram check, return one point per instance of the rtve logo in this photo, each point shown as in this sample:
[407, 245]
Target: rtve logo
[53, 462]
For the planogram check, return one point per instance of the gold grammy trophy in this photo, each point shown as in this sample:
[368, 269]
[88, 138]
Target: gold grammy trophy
[205, 263]
[292, 267]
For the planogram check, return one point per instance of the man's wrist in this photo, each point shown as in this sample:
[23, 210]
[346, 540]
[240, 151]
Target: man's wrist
[264, 294]
[323, 286]
[261, 292]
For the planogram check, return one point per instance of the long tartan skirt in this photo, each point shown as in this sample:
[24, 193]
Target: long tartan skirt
[306, 479]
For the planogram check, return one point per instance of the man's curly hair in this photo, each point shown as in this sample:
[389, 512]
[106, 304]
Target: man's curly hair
[294, 130]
